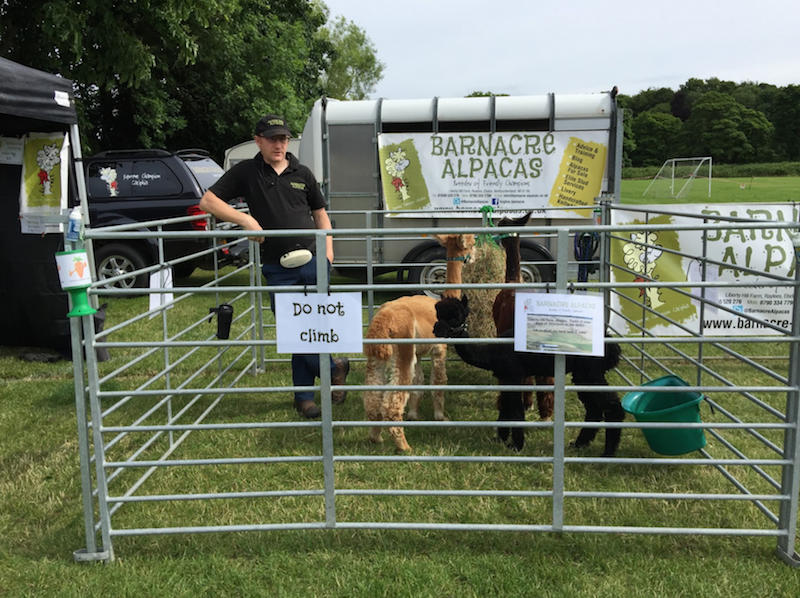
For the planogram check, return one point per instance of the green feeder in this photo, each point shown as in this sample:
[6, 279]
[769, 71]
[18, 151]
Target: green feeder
[75, 278]
[677, 406]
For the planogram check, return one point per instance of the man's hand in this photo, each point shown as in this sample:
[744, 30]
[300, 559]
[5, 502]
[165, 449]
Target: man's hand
[250, 223]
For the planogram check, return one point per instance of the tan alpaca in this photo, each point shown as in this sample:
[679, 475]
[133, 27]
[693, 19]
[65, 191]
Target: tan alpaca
[400, 364]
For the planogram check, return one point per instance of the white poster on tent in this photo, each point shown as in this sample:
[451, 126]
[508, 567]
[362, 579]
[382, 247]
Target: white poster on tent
[43, 189]
[745, 262]
[11, 150]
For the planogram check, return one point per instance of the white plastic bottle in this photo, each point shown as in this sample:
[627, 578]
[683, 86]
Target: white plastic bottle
[74, 225]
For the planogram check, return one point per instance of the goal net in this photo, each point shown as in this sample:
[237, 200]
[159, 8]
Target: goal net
[678, 179]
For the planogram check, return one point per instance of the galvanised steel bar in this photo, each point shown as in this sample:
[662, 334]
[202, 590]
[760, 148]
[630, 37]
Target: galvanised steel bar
[790, 481]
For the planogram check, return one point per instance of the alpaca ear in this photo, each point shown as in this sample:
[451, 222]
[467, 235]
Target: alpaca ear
[464, 301]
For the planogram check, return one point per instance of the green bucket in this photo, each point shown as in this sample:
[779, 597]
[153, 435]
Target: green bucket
[678, 406]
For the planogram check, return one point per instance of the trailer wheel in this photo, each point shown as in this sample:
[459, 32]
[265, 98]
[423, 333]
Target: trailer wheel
[536, 271]
[432, 272]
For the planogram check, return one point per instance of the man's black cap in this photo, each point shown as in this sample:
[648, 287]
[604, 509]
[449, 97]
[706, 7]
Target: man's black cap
[271, 125]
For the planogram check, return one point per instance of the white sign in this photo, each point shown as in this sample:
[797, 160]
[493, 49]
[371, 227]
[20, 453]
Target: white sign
[568, 323]
[318, 323]
[520, 171]
[11, 150]
[161, 279]
[729, 249]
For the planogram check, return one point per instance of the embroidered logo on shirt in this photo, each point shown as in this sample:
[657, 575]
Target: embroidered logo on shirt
[300, 186]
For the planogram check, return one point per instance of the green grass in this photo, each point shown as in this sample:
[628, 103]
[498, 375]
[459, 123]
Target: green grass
[723, 190]
[41, 519]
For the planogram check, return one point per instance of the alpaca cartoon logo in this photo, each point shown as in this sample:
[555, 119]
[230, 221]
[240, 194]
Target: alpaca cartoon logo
[396, 164]
[109, 175]
[47, 158]
[641, 255]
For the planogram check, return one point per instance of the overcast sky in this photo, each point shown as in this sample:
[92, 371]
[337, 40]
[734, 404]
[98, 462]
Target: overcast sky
[450, 48]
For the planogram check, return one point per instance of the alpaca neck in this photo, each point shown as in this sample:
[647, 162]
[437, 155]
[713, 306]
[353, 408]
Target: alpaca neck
[453, 276]
[513, 258]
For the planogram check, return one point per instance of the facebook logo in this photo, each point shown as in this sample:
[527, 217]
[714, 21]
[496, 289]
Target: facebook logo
[495, 201]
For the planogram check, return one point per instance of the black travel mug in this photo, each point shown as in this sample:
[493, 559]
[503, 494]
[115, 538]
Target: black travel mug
[224, 317]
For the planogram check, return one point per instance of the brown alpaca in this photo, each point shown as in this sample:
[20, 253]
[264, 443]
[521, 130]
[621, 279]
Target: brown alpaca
[400, 364]
[503, 313]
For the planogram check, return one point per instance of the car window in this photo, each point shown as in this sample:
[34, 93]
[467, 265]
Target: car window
[206, 171]
[109, 179]
[126, 178]
[154, 178]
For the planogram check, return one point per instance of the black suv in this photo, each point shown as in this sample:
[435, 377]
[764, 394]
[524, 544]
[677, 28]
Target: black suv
[129, 186]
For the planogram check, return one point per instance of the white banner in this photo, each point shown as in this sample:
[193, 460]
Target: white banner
[768, 251]
[522, 171]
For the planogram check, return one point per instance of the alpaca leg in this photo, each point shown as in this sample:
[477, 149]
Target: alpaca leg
[511, 409]
[594, 413]
[393, 411]
[415, 396]
[612, 413]
[401, 372]
[527, 396]
[502, 433]
[439, 377]
[545, 399]
[416, 377]
[373, 399]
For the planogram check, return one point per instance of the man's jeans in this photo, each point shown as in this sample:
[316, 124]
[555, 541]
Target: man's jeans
[305, 367]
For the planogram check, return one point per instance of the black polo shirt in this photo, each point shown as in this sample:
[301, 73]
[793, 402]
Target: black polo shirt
[282, 201]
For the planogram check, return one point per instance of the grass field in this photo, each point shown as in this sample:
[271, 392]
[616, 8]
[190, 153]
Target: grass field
[723, 190]
[40, 492]
[41, 521]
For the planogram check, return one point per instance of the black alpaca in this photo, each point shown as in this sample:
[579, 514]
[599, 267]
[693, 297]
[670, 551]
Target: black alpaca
[513, 367]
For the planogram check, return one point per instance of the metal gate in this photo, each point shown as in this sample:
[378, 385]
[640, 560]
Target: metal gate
[181, 432]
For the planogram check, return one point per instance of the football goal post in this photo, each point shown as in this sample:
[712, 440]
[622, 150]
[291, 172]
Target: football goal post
[676, 179]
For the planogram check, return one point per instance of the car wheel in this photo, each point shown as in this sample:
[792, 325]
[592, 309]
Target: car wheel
[183, 270]
[432, 272]
[116, 259]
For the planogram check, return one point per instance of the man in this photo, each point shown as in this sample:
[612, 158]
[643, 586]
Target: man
[281, 194]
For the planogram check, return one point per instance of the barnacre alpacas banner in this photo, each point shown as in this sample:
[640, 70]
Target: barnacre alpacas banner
[760, 251]
[525, 171]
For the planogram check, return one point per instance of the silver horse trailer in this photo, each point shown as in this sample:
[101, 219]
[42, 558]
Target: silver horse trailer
[415, 164]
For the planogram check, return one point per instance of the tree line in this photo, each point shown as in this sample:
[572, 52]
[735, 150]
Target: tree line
[735, 123]
[189, 73]
[198, 73]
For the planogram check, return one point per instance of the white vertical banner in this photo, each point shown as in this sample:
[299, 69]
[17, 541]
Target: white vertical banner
[44, 186]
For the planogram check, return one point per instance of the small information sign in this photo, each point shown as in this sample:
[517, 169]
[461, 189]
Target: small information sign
[570, 324]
